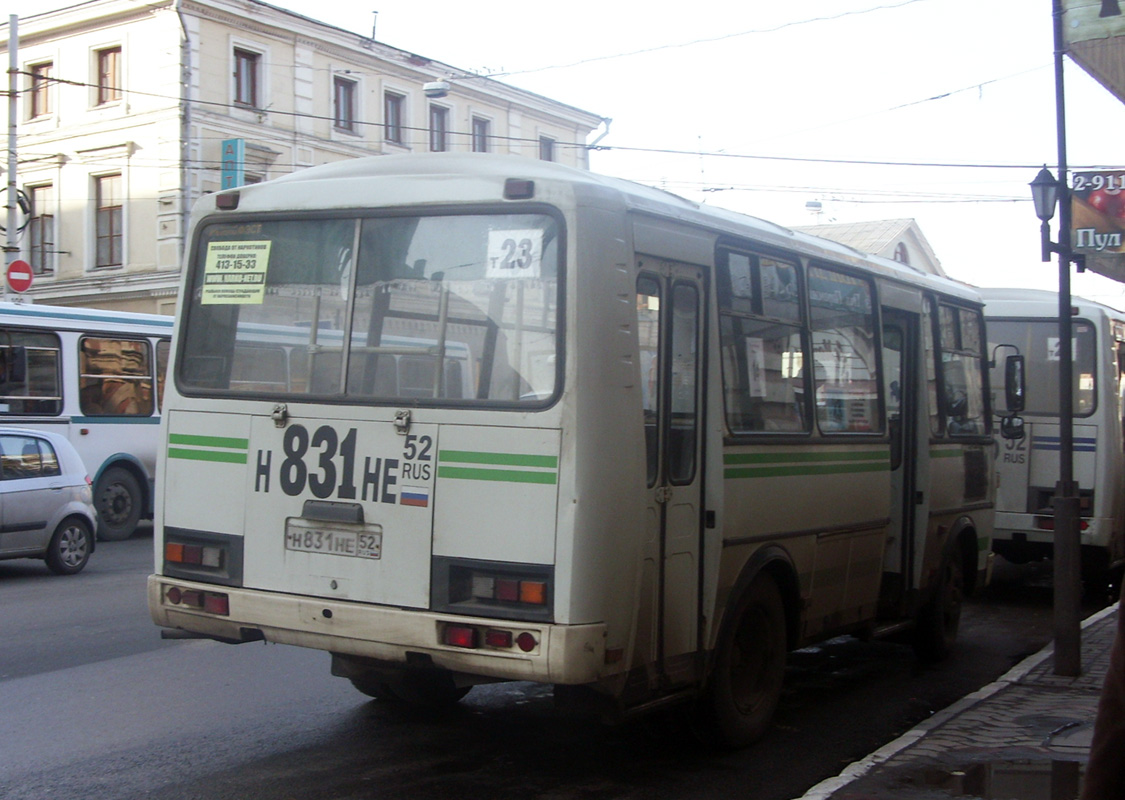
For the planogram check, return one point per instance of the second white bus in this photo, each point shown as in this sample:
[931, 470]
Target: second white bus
[1029, 467]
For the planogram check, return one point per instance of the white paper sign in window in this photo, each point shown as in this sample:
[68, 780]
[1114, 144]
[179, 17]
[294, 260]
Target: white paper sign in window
[514, 254]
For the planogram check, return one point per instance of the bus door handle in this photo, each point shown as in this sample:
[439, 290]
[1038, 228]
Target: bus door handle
[663, 494]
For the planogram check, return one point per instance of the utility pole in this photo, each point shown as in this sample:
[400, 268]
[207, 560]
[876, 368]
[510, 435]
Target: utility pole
[11, 248]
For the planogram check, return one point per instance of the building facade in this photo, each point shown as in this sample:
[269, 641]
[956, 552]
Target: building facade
[128, 112]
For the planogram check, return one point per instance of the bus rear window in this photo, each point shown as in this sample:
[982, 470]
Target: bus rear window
[442, 309]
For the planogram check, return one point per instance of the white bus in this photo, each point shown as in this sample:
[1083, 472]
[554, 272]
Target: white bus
[1029, 468]
[693, 441]
[96, 377]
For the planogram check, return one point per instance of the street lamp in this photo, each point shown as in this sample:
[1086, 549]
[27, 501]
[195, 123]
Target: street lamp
[1045, 196]
[1045, 192]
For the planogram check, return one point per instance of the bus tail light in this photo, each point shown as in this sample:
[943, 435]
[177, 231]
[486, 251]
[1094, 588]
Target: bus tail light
[202, 556]
[211, 602]
[461, 636]
[474, 637]
[1048, 524]
[509, 590]
[194, 554]
[503, 590]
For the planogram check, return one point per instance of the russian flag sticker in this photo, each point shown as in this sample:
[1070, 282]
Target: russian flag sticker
[414, 496]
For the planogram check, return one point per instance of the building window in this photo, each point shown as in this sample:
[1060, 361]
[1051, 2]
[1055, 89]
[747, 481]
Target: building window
[108, 225]
[546, 148]
[439, 129]
[40, 81]
[343, 91]
[901, 254]
[392, 116]
[109, 75]
[41, 230]
[480, 134]
[246, 78]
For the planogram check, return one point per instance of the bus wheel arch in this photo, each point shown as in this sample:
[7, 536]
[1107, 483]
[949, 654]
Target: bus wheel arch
[119, 497]
[747, 667]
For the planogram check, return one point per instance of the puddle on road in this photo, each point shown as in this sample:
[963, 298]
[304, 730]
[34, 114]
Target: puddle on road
[1010, 780]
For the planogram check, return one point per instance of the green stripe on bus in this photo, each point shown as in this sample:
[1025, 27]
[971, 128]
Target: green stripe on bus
[500, 459]
[813, 469]
[206, 455]
[503, 475]
[209, 441]
[794, 458]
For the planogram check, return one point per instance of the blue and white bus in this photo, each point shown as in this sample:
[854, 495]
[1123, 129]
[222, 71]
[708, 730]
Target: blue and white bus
[97, 377]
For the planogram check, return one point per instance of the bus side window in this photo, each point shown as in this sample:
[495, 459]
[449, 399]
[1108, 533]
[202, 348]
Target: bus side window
[115, 377]
[29, 373]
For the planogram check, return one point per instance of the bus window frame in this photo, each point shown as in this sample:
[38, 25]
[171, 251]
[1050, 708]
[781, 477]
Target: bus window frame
[880, 430]
[934, 303]
[150, 361]
[725, 306]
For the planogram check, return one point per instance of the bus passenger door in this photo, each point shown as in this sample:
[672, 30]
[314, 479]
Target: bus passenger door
[670, 306]
[901, 389]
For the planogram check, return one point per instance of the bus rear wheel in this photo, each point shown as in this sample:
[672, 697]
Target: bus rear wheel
[118, 500]
[745, 686]
[424, 689]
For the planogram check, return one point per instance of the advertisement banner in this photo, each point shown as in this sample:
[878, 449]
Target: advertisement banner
[1097, 220]
[1094, 37]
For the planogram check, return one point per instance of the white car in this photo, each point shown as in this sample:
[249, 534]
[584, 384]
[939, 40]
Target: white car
[46, 505]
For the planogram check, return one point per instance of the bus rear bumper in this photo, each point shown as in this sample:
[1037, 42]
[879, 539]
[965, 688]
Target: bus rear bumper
[566, 654]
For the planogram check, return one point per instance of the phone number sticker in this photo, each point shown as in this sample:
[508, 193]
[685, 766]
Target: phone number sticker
[234, 273]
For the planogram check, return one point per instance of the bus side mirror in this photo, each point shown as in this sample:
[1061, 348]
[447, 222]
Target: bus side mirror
[1012, 427]
[1014, 385]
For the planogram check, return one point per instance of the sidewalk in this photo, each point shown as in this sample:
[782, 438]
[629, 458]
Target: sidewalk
[1011, 739]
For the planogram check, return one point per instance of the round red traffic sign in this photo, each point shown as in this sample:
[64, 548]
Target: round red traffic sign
[19, 276]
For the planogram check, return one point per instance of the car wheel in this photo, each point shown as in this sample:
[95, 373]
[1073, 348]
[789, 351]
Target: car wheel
[70, 547]
[118, 500]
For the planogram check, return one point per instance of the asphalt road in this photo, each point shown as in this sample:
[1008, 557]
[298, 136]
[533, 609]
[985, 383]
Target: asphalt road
[93, 704]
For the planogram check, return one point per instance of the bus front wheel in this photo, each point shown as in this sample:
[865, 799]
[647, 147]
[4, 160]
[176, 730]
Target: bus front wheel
[745, 686]
[939, 620]
[118, 500]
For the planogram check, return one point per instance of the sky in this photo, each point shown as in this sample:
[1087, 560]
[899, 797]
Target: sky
[937, 110]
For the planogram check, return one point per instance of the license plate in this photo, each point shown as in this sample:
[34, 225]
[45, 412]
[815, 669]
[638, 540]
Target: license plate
[304, 537]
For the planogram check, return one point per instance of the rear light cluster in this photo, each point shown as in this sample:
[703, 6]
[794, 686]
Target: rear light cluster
[211, 602]
[508, 590]
[193, 554]
[1048, 524]
[473, 637]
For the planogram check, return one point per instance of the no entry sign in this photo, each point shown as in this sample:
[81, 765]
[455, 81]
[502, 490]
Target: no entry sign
[19, 276]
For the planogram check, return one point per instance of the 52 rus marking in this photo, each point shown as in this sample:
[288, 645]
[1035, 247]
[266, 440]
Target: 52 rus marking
[326, 464]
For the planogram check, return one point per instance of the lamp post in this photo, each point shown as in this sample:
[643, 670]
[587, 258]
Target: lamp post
[1045, 194]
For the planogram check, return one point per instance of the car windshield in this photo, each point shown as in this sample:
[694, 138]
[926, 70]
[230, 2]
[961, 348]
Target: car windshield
[439, 309]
